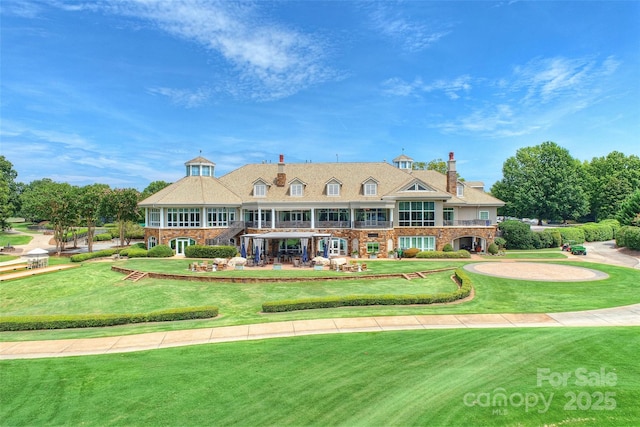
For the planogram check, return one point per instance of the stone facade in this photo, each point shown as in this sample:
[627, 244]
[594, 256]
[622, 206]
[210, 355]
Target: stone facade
[483, 235]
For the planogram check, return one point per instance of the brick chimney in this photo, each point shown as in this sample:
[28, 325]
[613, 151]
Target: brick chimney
[281, 178]
[452, 175]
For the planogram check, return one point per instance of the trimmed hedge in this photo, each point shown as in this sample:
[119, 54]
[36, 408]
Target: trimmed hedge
[199, 251]
[362, 300]
[160, 251]
[91, 255]
[133, 252]
[443, 254]
[410, 252]
[575, 234]
[447, 248]
[629, 237]
[102, 237]
[26, 323]
[597, 232]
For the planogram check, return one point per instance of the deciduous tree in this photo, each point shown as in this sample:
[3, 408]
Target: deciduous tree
[542, 182]
[55, 202]
[609, 180]
[122, 205]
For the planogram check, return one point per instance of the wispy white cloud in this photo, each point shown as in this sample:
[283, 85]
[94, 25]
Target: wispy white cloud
[271, 61]
[546, 79]
[184, 97]
[451, 87]
[410, 34]
[535, 96]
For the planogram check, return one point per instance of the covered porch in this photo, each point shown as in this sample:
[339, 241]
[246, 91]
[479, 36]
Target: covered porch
[283, 247]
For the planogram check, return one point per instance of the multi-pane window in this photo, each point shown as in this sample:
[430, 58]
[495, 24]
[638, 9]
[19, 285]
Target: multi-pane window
[183, 217]
[373, 247]
[220, 217]
[460, 190]
[195, 170]
[416, 187]
[154, 217]
[259, 190]
[447, 216]
[424, 243]
[333, 189]
[333, 214]
[152, 242]
[206, 170]
[416, 214]
[483, 215]
[370, 189]
[296, 190]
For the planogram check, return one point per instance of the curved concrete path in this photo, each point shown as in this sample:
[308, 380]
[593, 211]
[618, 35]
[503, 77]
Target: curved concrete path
[618, 316]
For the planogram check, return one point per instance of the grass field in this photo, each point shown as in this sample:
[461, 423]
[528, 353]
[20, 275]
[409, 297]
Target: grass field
[14, 239]
[94, 288]
[434, 378]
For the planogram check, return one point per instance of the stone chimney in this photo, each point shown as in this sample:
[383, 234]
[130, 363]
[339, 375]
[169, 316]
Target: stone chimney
[281, 178]
[452, 175]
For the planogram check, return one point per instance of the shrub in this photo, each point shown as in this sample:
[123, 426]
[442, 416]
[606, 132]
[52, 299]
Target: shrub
[597, 232]
[24, 323]
[543, 240]
[575, 234]
[102, 237]
[613, 223]
[198, 251]
[361, 300]
[501, 242]
[139, 245]
[447, 248]
[134, 252]
[410, 252]
[493, 249]
[517, 234]
[629, 237]
[160, 251]
[91, 255]
[442, 254]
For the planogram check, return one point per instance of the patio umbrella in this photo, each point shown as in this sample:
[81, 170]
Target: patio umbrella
[243, 250]
[326, 247]
[304, 242]
[257, 254]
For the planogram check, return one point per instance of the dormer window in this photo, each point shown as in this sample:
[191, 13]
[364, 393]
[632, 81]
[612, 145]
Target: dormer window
[460, 190]
[333, 189]
[296, 190]
[259, 189]
[370, 187]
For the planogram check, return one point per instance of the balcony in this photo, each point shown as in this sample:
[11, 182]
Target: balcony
[293, 224]
[372, 224]
[333, 224]
[468, 223]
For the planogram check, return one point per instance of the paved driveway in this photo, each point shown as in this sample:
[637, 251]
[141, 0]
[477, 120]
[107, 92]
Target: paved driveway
[607, 253]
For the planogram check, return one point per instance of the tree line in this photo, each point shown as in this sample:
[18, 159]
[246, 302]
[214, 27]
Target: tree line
[545, 182]
[67, 207]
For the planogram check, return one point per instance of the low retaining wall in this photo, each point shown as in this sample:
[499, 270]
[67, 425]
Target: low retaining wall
[215, 277]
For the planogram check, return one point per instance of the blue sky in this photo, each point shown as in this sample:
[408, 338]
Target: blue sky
[124, 92]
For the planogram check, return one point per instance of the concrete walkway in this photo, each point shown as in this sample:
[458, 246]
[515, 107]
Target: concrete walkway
[618, 316]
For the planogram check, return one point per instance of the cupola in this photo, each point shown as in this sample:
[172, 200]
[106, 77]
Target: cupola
[200, 167]
[403, 162]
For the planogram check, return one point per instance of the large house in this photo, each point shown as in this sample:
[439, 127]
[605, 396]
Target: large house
[369, 209]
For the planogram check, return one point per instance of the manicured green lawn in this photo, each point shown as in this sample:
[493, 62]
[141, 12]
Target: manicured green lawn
[14, 239]
[94, 288]
[434, 378]
[538, 255]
